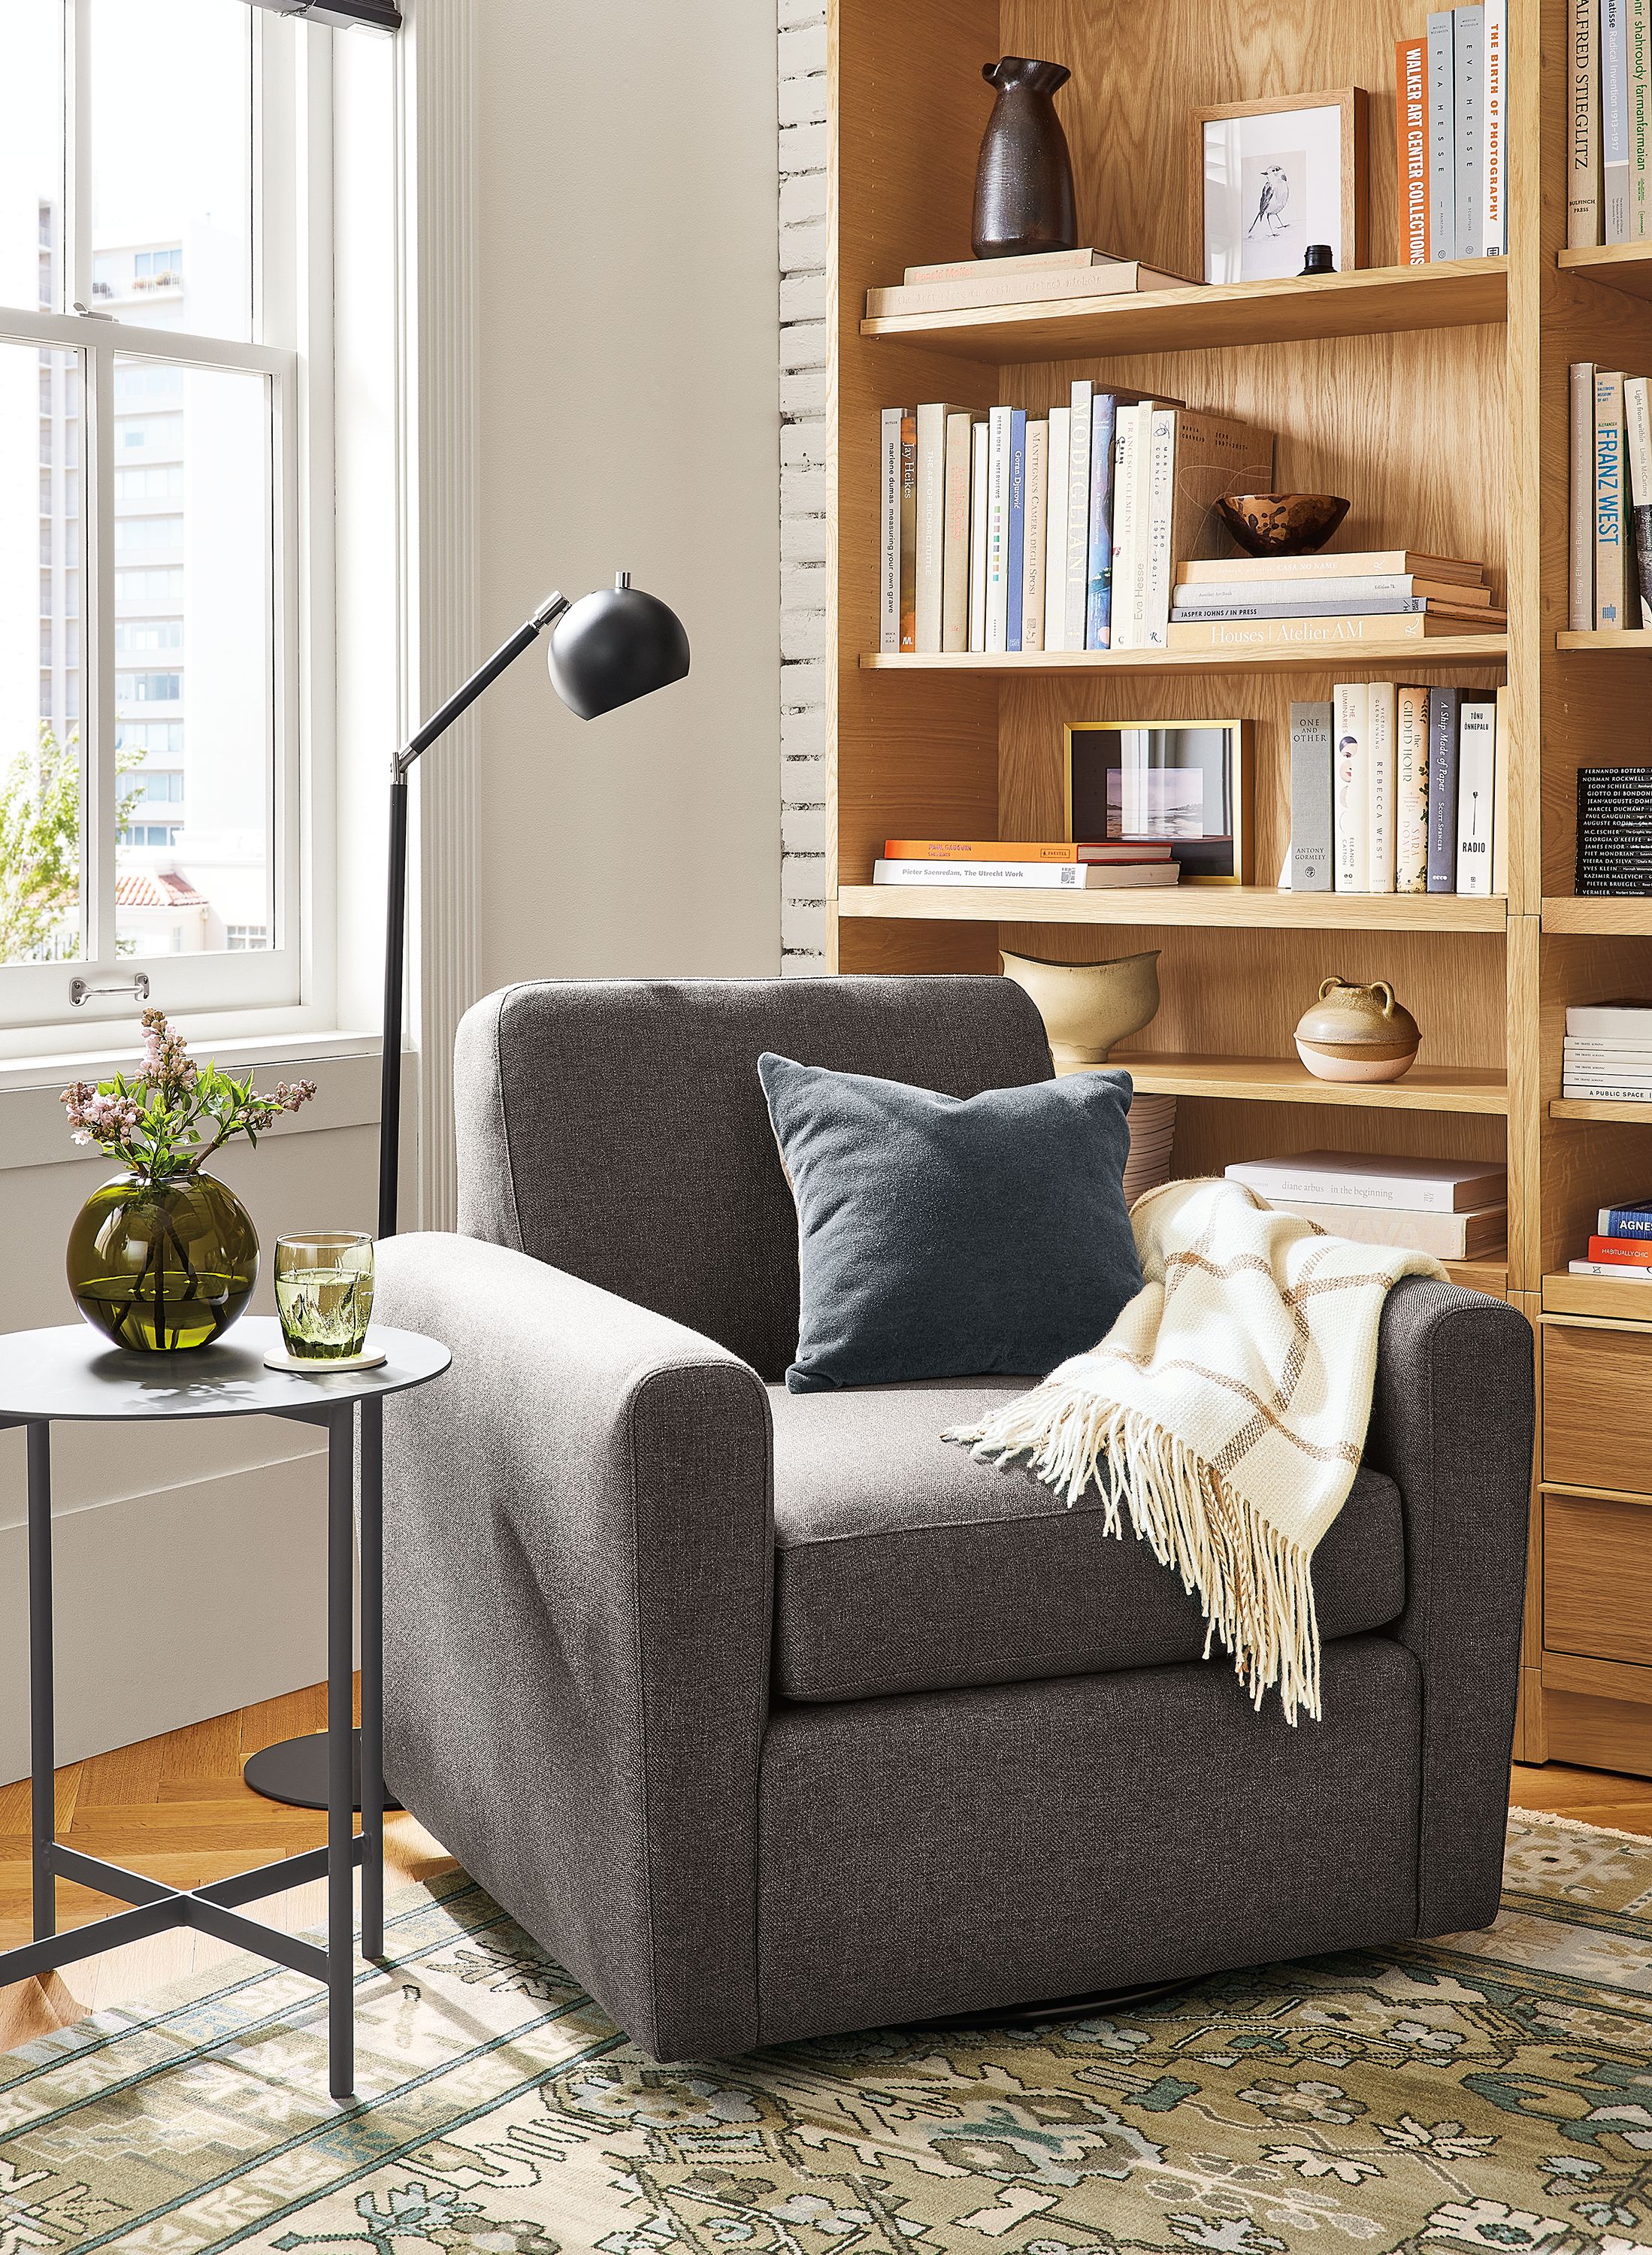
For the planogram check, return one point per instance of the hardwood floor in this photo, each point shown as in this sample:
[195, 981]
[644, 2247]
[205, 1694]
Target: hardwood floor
[176, 1807]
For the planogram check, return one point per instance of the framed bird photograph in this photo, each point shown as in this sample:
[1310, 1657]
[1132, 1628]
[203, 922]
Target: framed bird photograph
[1277, 175]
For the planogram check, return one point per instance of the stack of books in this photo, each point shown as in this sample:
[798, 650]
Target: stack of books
[1042, 278]
[1608, 101]
[1622, 1244]
[1455, 1209]
[1451, 104]
[1152, 1124]
[1399, 789]
[1608, 1053]
[1058, 867]
[1614, 833]
[1020, 532]
[1609, 521]
[1384, 595]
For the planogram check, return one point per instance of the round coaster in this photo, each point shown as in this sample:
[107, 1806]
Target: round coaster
[318, 1366]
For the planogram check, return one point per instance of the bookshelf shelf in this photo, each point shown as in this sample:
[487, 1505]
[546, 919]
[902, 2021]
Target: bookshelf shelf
[1371, 302]
[1261, 907]
[1607, 919]
[1630, 642]
[1593, 1107]
[1627, 266]
[1401, 659]
[1277, 1080]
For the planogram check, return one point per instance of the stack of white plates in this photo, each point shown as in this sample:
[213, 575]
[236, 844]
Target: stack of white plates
[1152, 1142]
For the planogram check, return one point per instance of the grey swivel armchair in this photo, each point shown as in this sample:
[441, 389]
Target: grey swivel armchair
[772, 1715]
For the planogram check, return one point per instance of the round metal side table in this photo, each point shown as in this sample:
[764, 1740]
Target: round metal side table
[72, 1374]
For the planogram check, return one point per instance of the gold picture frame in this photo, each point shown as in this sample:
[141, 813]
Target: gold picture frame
[1198, 853]
[1328, 201]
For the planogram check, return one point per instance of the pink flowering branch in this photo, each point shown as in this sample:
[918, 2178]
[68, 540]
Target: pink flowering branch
[171, 1116]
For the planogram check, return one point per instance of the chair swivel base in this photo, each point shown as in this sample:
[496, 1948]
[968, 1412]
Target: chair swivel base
[294, 1771]
[1054, 2009]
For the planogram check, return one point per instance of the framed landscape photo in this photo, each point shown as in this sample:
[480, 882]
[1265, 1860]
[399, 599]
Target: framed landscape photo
[1144, 782]
[1278, 174]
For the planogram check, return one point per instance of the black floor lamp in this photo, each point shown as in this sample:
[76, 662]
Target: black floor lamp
[606, 650]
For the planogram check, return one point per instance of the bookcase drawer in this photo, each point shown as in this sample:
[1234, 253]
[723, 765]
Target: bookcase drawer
[1598, 1578]
[1597, 1408]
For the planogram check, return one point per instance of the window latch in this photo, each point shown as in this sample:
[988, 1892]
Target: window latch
[92, 314]
[80, 992]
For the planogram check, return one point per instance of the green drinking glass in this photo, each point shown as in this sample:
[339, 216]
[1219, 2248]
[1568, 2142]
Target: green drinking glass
[324, 1294]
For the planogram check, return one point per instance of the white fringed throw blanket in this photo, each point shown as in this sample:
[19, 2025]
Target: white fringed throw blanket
[1226, 1410]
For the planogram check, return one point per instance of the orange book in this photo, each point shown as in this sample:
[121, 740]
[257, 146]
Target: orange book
[993, 849]
[1623, 1252]
[1411, 119]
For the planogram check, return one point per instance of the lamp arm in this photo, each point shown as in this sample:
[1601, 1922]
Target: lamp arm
[389, 1098]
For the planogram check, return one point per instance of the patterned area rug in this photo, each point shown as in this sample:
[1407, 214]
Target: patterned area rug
[1494, 2092]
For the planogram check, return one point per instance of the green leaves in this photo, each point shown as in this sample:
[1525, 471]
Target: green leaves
[169, 1118]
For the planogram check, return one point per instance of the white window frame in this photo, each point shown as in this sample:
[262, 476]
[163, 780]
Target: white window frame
[288, 989]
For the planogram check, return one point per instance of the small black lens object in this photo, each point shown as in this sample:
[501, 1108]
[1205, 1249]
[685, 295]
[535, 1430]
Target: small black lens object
[1318, 260]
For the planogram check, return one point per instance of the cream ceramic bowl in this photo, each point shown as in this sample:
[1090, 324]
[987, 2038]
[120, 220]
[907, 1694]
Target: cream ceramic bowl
[1088, 1007]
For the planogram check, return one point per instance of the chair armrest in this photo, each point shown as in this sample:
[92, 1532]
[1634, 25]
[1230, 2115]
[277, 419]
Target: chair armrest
[1452, 1422]
[578, 1546]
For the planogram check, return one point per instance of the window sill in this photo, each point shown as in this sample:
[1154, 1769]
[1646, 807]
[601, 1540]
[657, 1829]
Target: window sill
[345, 1065]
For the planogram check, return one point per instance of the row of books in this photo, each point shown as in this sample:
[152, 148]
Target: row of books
[1412, 596]
[963, 285]
[1609, 95]
[1399, 789]
[1455, 1209]
[1054, 866]
[1621, 1246]
[1013, 531]
[1451, 103]
[1607, 1052]
[1614, 833]
[1609, 521]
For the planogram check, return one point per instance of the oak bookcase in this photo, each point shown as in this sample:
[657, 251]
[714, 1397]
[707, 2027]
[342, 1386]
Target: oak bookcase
[1436, 398]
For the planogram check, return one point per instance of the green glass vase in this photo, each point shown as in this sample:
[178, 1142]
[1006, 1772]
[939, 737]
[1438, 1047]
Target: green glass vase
[163, 1267]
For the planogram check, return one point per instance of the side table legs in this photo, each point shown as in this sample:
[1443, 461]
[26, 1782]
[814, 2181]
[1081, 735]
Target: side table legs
[42, 1718]
[370, 1547]
[340, 1745]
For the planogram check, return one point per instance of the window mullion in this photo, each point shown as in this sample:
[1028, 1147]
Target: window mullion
[100, 802]
[77, 83]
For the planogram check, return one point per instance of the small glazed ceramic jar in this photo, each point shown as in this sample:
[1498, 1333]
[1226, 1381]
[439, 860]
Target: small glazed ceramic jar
[1357, 1033]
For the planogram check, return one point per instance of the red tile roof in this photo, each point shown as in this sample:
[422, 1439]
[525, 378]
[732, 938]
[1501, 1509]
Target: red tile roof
[157, 889]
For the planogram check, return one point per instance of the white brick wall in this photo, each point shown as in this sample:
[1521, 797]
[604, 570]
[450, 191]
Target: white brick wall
[803, 499]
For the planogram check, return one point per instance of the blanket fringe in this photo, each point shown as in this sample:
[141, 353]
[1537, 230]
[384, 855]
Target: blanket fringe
[1254, 1588]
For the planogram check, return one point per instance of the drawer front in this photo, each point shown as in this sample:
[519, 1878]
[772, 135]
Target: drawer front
[1598, 1578]
[1598, 1408]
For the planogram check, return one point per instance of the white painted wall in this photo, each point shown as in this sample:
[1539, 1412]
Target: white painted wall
[629, 418]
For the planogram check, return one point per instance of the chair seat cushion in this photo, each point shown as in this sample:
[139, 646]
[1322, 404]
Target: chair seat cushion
[902, 1564]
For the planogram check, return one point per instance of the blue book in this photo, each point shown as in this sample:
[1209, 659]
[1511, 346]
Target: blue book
[1627, 1220]
[1098, 616]
[1442, 789]
[1016, 546]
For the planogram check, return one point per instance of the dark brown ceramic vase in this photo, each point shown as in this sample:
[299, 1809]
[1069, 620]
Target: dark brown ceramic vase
[1024, 181]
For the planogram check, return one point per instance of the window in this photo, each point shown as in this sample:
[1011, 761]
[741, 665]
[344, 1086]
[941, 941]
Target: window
[150, 154]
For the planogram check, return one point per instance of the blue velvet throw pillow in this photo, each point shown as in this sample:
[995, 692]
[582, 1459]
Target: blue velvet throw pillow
[944, 1236]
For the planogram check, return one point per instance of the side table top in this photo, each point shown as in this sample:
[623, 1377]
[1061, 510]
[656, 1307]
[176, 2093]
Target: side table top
[74, 1372]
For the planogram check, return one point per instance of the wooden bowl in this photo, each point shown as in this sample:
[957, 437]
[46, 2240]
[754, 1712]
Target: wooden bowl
[1281, 524]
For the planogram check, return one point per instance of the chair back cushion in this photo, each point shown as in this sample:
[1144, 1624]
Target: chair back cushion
[617, 1128]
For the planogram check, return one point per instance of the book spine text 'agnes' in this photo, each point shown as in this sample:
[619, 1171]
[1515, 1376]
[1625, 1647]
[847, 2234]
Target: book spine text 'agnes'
[1411, 58]
[1583, 125]
[1442, 139]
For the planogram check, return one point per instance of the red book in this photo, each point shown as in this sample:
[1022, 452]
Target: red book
[1411, 119]
[1623, 1252]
